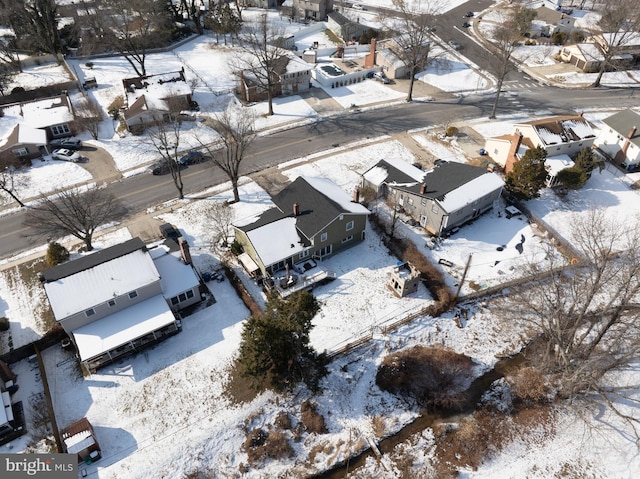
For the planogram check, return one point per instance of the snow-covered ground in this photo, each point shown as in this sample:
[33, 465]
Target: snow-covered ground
[163, 413]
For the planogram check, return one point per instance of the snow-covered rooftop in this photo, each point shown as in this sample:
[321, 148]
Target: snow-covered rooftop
[277, 240]
[88, 288]
[175, 276]
[471, 191]
[119, 328]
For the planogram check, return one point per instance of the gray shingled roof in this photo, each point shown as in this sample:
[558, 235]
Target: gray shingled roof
[316, 210]
[623, 122]
[439, 181]
[91, 260]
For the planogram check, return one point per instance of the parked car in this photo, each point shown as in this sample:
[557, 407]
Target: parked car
[162, 167]
[168, 231]
[358, 6]
[68, 143]
[64, 154]
[466, 24]
[381, 77]
[455, 45]
[193, 157]
[469, 15]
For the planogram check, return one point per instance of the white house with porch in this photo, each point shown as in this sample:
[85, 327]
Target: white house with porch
[118, 300]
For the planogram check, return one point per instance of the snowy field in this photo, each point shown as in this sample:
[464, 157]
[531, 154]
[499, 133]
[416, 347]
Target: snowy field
[163, 413]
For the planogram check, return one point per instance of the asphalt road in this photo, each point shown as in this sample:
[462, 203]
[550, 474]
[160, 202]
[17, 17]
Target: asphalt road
[143, 191]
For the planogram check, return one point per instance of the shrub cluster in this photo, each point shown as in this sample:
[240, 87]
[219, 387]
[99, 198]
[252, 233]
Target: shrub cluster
[432, 377]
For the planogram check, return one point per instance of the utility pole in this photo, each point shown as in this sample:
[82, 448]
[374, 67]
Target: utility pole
[464, 275]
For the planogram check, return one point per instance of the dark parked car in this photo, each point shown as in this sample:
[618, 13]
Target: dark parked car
[68, 143]
[469, 14]
[466, 24]
[168, 231]
[162, 167]
[193, 157]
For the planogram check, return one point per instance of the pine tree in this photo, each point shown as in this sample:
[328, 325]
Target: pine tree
[56, 254]
[275, 350]
[528, 175]
[572, 178]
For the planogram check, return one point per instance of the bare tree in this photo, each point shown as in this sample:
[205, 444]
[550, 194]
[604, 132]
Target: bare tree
[9, 54]
[90, 115]
[220, 215]
[414, 22]
[585, 315]
[500, 59]
[165, 138]
[262, 57]
[236, 130]
[73, 212]
[11, 181]
[130, 27]
[189, 9]
[6, 78]
[619, 25]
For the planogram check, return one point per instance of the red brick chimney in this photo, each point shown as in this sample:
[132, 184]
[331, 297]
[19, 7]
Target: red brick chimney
[356, 195]
[370, 59]
[296, 209]
[511, 157]
[184, 250]
[423, 188]
[627, 140]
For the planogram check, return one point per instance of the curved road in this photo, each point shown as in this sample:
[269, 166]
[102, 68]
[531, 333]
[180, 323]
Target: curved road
[143, 191]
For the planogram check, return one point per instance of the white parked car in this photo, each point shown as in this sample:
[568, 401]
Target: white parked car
[357, 6]
[65, 154]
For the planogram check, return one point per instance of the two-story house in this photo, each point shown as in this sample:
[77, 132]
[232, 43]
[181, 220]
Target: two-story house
[620, 138]
[559, 135]
[118, 300]
[312, 219]
[440, 199]
[313, 9]
[153, 99]
[292, 76]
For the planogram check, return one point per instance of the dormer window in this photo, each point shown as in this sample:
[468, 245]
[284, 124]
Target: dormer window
[133, 294]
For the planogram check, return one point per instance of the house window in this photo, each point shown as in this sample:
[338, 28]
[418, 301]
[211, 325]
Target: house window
[182, 297]
[349, 225]
[111, 303]
[347, 239]
[303, 254]
[89, 312]
[323, 237]
[190, 294]
[60, 130]
[133, 294]
[324, 251]
[410, 201]
[174, 301]
[20, 152]
[423, 202]
[434, 208]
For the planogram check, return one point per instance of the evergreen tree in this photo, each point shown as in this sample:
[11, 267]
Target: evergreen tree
[528, 175]
[572, 178]
[275, 350]
[585, 160]
[56, 254]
